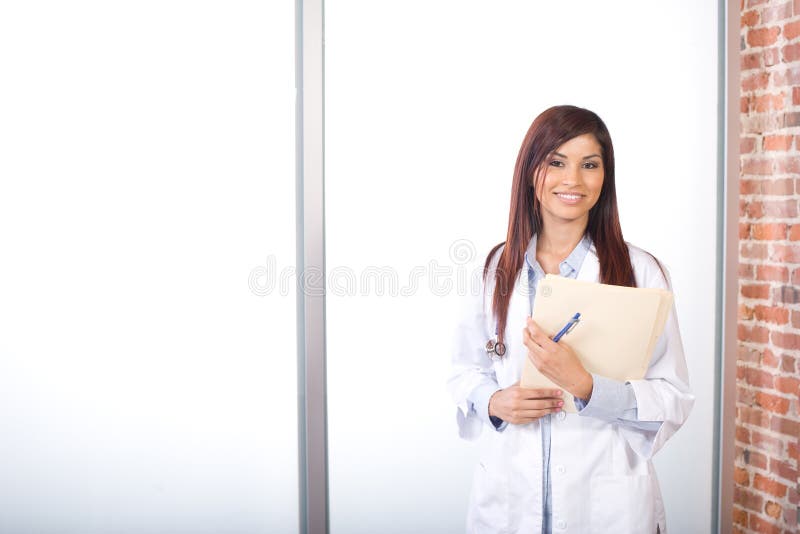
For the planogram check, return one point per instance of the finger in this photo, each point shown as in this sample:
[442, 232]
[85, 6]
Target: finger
[538, 335]
[540, 393]
[541, 404]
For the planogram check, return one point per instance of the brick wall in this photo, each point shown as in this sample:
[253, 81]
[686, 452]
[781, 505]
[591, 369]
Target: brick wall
[768, 367]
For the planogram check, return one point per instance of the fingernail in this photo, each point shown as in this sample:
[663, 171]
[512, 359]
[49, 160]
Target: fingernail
[558, 392]
[561, 403]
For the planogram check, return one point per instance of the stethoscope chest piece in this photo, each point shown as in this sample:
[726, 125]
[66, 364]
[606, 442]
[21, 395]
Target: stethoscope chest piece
[495, 348]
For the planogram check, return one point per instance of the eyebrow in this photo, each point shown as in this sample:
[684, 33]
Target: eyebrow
[585, 157]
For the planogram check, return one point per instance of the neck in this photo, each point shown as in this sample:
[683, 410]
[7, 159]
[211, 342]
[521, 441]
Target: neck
[560, 239]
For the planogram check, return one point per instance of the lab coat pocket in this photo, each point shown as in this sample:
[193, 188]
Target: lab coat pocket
[622, 504]
[488, 511]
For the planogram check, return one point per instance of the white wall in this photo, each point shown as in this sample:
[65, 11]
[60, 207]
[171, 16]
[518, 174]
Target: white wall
[426, 106]
[146, 167]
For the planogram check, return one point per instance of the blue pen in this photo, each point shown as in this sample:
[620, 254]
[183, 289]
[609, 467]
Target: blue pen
[568, 327]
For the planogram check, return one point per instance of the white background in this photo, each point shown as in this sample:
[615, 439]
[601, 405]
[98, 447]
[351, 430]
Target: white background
[426, 106]
[146, 168]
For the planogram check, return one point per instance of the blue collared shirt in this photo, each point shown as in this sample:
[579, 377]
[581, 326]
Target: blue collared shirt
[611, 400]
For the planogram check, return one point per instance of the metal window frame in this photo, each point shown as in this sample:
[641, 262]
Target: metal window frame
[314, 515]
[727, 263]
[310, 222]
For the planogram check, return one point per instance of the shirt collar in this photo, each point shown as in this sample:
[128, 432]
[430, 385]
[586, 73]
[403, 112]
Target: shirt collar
[570, 265]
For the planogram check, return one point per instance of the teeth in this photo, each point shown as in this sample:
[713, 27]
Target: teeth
[568, 197]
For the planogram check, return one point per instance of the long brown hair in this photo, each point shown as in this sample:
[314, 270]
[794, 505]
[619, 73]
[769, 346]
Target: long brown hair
[551, 129]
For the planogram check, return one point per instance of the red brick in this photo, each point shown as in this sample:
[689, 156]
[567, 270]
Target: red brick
[750, 61]
[784, 209]
[794, 232]
[754, 210]
[749, 18]
[760, 80]
[772, 403]
[789, 385]
[769, 102]
[787, 77]
[757, 166]
[762, 526]
[796, 277]
[750, 187]
[771, 56]
[755, 459]
[743, 436]
[769, 359]
[739, 517]
[756, 251]
[796, 96]
[754, 417]
[792, 77]
[791, 52]
[796, 319]
[758, 378]
[772, 314]
[769, 486]
[794, 449]
[772, 273]
[747, 355]
[763, 36]
[741, 476]
[788, 364]
[744, 231]
[744, 104]
[792, 29]
[786, 295]
[784, 426]
[745, 395]
[777, 187]
[788, 165]
[778, 142]
[786, 341]
[756, 291]
[785, 253]
[766, 444]
[746, 271]
[745, 313]
[747, 499]
[747, 145]
[753, 334]
[769, 232]
[773, 510]
[783, 469]
[775, 12]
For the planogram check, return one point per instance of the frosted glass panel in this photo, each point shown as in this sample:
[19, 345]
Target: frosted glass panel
[427, 104]
[146, 213]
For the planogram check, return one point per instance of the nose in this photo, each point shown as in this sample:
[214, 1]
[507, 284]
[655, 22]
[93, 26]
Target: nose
[571, 175]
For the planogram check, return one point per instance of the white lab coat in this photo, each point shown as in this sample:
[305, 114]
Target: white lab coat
[603, 480]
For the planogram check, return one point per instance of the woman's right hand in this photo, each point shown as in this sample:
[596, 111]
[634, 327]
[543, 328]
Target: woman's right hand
[518, 405]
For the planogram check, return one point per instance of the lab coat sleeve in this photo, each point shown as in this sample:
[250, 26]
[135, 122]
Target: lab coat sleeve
[664, 394]
[472, 378]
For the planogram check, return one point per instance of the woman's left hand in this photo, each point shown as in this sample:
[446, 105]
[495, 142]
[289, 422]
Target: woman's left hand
[557, 361]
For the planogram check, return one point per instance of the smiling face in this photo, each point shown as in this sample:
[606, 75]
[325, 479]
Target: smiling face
[570, 181]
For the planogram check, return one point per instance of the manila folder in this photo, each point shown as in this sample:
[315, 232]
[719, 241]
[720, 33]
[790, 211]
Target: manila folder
[617, 332]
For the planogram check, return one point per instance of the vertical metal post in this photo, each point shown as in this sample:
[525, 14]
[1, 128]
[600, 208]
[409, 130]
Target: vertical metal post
[728, 261]
[311, 376]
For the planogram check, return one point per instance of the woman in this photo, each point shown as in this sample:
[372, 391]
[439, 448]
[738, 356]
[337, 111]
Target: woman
[545, 470]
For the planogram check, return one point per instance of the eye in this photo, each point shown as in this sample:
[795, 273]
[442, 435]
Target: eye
[591, 165]
[556, 163]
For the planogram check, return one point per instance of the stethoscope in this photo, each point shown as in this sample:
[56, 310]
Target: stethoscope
[496, 349]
